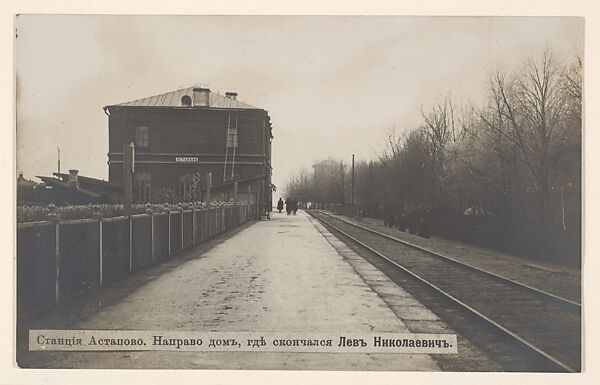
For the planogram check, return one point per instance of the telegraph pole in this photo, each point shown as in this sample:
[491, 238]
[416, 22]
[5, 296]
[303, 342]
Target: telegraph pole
[342, 175]
[352, 180]
[58, 148]
[128, 169]
[208, 187]
[235, 192]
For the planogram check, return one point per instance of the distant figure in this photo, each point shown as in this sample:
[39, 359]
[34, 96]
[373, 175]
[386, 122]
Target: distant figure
[359, 214]
[294, 206]
[424, 230]
[288, 206]
[280, 204]
[388, 215]
[402, 222]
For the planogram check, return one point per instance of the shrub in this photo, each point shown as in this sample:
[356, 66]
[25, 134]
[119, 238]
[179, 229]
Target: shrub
[35, 213]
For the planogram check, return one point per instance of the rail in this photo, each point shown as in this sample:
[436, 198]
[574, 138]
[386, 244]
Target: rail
[550, 358]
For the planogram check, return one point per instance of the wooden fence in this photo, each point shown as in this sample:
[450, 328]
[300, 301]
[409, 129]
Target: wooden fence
[58, 260]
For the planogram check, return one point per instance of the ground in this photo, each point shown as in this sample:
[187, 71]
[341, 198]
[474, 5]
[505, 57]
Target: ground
[286, 274]
[559, 280]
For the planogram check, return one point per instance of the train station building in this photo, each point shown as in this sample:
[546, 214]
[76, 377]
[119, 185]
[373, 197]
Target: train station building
[183, 135]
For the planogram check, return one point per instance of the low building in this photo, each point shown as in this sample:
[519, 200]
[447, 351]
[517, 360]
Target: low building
[25, 189]
[329, 181]
[327, 169]
[111, 192]
[182, 136]
[73, 188]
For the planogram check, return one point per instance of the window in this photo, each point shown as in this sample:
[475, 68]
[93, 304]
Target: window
[232, 131]
[144, 189]
[142, 137]
[232, 138]
[186, 101]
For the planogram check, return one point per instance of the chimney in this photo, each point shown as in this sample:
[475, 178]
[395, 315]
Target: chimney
[231, 95]
[21, 176]
[201, 97]
[73, 180]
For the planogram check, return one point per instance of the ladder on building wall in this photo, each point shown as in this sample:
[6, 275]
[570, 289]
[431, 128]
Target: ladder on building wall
[230, 146]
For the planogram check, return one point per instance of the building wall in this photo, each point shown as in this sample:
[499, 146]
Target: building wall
[189, 141]
[197, 130]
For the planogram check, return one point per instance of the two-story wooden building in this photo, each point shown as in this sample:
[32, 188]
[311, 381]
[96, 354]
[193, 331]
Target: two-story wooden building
[183, 135]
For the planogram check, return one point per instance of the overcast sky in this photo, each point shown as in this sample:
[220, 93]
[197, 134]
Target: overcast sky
[333, 86]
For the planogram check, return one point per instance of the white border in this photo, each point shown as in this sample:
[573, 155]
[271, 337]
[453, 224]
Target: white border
[590, 9]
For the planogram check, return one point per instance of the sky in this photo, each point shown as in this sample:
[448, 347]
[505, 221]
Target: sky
[333, 86]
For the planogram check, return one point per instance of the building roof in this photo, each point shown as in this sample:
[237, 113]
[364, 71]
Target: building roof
[173, 99]
[87, 180]
[21, 181]
[327, 163]
[58, 183]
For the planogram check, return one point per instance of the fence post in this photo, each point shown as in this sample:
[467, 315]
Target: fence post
[169, 232]
[182, 228]
[54, 217]
[212, 221]
[201, 224]
[193, 225]
[130, 243]
[149, 212]
[100, 251]
[209, 220]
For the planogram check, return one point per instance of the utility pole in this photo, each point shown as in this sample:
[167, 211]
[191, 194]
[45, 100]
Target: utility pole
[352, 180]
[371, 180]
[58, 148]
[208, 187]
[128, 169]
[342, 174]
[235, 192]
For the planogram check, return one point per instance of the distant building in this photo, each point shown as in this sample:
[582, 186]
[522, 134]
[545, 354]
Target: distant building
[183, 135]
[110, 192]
[329, 181]
[73, 188]
[25, 189]
[327, 169]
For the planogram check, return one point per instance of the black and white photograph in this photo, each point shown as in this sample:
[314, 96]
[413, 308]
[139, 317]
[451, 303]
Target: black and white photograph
[299, 193]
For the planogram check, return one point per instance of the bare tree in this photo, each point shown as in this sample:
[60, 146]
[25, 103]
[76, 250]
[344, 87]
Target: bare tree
[530, 113]
[517, 158]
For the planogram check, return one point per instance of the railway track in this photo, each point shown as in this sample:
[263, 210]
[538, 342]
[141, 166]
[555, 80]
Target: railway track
[545, 327]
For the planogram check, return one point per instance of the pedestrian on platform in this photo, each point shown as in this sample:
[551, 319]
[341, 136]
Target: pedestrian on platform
[294, 205]
[288, 206]
[280, 204]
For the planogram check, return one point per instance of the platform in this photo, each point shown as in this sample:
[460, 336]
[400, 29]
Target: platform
[286, 274]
